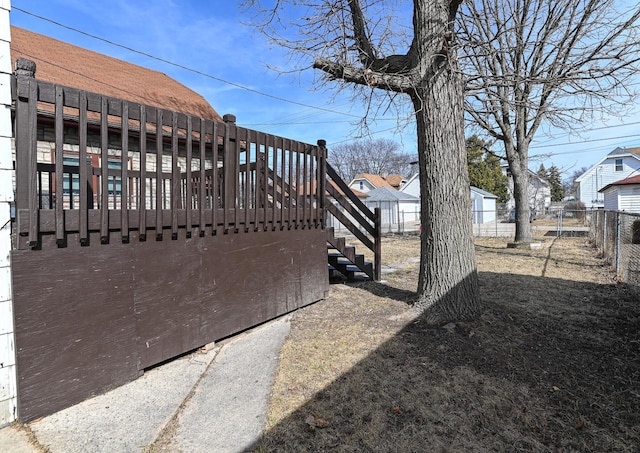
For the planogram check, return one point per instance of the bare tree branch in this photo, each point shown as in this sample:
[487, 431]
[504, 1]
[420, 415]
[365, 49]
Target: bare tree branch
[370, 47]
[532, 62]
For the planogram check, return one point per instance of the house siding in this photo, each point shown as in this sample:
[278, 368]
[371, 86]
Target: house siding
[365, 187]
[629, 198]
[8, 387]
[601, 175]
[610, 199]
[412, 187]
[483, 208]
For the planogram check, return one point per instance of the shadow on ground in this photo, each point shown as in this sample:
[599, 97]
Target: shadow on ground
[552, 365]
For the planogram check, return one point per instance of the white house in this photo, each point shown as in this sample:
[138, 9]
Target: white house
[623, 195]
[619, 164]
[539, 190]
[483, 203]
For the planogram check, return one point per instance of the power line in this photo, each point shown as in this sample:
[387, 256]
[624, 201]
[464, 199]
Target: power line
[178, 65]
[583, 141]
[590, 130]
[271, 96]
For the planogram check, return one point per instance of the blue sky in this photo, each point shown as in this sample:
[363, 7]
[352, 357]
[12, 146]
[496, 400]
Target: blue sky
[210, 38]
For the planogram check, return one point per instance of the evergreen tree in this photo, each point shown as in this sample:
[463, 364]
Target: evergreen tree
[484, 169]
[555, 180]
[543, 173]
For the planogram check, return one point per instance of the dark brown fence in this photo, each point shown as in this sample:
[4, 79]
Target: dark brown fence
[143, 233]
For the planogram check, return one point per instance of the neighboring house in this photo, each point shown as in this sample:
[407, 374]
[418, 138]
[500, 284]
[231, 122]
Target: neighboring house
[483, 203]
[619, 164]
[65, 64]
[412, 186]
[366, 182]
[395, 181]
[396, 207]
[623, 195]
[539, 191]
[483, 206]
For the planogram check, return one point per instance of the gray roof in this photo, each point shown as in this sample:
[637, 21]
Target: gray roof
[484, 193]
[386, 194]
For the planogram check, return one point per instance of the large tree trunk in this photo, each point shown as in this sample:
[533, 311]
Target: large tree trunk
[448, 282]
[524, 233]
[519, 166]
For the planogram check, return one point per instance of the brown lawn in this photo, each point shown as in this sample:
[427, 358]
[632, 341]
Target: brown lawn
[552, 365]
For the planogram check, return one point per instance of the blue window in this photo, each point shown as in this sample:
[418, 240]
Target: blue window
[71, 181]
[619, 166]
[115, 182]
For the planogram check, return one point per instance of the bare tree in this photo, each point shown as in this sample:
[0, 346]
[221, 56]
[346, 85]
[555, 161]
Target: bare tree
[379, 157]
[531, 63]
[570, 185]
[359, 44]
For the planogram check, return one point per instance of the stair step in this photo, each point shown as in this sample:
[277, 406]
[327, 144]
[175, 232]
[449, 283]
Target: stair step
[350, 271]
[344, 259]
[338, 243]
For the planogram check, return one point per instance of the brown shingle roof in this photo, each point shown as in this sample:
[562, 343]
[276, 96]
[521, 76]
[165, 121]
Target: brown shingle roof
[377, 180]
[311, 189]
[357, 193]
[395, 180]
[65, 64]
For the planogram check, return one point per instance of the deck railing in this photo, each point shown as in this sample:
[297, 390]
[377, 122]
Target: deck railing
[90, 165]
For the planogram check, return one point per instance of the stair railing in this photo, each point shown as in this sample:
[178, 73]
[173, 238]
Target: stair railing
[361, 221]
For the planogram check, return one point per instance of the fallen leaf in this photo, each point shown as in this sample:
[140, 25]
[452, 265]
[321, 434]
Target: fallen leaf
[321, 423]
[396, 410]
[316, 422]
[555, 388]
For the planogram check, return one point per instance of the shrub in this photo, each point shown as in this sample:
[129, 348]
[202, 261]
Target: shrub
[577, 208]
[635, 232]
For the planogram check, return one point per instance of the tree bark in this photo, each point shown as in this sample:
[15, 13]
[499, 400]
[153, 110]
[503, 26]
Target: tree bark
[519, 166]
[353, 49]
[448, 283]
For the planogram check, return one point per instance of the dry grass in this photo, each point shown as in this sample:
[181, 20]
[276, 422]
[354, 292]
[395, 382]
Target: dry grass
[552, 365]
[395, 248]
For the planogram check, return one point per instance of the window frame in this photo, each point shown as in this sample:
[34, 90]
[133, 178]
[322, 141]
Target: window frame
[618, 164]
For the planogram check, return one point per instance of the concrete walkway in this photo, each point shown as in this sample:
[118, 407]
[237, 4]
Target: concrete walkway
[211, 400]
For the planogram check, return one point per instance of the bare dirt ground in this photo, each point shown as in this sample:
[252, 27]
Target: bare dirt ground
[552, 365]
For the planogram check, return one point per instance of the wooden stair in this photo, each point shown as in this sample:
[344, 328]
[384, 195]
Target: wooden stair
[344, 259]
[364, 224]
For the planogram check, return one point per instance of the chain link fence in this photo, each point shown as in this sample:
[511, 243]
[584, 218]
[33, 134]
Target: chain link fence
[617, 235]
